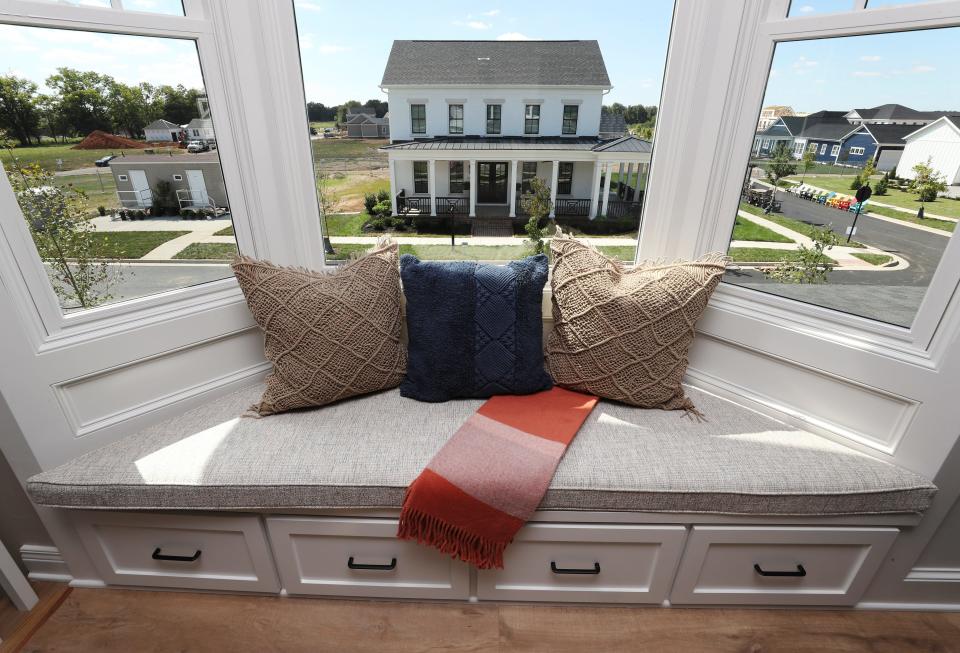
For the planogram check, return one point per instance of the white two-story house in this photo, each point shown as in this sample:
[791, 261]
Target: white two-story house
[474, 121]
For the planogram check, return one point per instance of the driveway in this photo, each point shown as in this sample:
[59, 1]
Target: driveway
[892, 296]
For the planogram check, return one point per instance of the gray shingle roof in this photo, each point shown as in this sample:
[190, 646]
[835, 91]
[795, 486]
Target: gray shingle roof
[890, 134]
[544, 63]
[162, 124]
[580, 143]
[612, 123]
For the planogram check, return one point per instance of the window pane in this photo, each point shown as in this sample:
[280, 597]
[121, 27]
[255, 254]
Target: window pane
[169, 7]
[370, 182]
[113, 156]
[842, 113]
[813, 7]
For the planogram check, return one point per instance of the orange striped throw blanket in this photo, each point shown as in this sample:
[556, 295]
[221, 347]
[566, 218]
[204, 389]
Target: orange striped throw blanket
[489, 478]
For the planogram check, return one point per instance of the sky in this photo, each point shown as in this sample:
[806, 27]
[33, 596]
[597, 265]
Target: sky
[344, 52]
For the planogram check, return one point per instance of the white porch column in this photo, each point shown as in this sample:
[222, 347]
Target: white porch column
[513, 187]
[554, 172]
[393, 187]
[432, 182]
[640, 171]
[473, 188]
[606, 189]
[627, 180]
[620, 174]
[595, 189]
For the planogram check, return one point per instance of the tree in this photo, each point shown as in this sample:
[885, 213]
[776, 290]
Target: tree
[82, 99]
[20, 108]
[131, 108]
[807, 162]
[343, 108]
[781, 165]
[538, 207]
[318, 112]
[328, 204]
[811, 264]
[378, 105]
[842, 160]
[177, 104]
[65, 240]
[927, 182]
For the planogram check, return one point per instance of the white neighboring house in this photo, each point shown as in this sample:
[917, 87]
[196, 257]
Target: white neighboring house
[162, 130]
[200, 129]
[938, 141]
[474, 121]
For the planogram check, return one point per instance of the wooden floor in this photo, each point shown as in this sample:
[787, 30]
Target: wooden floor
[144, 622]
[17, 627]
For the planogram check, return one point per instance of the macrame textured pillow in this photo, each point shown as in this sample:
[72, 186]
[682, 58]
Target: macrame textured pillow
[624, 334]
[329, 336]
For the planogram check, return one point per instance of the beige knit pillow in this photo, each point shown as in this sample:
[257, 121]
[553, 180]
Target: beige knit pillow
[329, 336]
[623, 333]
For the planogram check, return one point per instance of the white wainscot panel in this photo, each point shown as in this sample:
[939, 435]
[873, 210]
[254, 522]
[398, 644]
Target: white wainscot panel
[110, 397]
[860, 413]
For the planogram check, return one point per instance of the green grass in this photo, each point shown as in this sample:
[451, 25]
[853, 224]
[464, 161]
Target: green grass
[104, 195]
[135, 244]
[47, 154]
[873, 259]
[333, 148]
[819, 168]
[208, 251]
[941, 206]
[470, 252]
[764, 255]
[319, 125]
[226, 231]
[944, 225]
[794, 225]
[744, 229]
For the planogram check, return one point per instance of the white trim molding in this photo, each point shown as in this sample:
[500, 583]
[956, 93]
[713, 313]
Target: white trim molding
[44, 563]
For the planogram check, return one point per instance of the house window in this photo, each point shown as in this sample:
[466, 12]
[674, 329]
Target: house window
[766, 144]
[835, 150]
[178, 177]
[812, 147]
[857, 150]
[121, 178]
[531, 119]
[418, 118]
[456, 177]
[565, 178]
[455, 112]
[493, 118]
[798, 148]
[421, 179]
[527, 174]
[570, 112]
[823, 149]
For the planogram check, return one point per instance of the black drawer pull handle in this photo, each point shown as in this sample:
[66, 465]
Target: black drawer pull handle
[798, 573]
[356, 565]
[560, 570]
[162, 556]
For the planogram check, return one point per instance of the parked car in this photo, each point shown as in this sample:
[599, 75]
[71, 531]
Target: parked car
[197, 146]
[105, 161]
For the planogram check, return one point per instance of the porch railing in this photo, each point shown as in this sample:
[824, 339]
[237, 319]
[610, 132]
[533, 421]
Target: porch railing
[580, 208]
[405, 205]
[135, 199]
[622, 209]
[453, 205]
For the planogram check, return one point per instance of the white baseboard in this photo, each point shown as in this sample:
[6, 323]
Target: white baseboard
[44, 563]
[88, 584]
[921, 607]
[934, 575]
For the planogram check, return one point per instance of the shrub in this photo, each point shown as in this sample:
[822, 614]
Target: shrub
[535, 234]
[856, 183]
[369, 201]
[123, 214]
[383, 195]
[184, 213]
[382, 209]
[102, 210]
[376, 224]
[880, 188]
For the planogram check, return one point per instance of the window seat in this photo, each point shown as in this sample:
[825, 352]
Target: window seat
[362, 453]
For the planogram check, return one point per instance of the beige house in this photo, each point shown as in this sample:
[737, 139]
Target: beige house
[196, 179]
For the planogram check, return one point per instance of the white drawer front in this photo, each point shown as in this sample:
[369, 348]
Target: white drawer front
[201, 552]
[779, 565]
[586, 562]
[361, 557]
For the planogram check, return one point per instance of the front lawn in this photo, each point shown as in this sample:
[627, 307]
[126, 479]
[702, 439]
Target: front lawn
[873, 259]
[744, 229]
[348, 189]
[226, 231]
[944, 225]
[800, 227]
[764, 255]
[338, 148]
[134, 244]
[941, 206]
[208, 252]
[99, 192]
[47, 154]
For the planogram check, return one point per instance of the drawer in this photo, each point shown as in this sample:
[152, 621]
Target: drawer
[779, 565]
[197, 552]
[361, 557]
[586, 562]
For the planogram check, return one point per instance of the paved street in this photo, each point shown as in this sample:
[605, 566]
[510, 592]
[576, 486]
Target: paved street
[892, 296]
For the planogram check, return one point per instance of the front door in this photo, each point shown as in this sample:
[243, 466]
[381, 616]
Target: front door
[198, 188]
[491, 182]
[141, 188]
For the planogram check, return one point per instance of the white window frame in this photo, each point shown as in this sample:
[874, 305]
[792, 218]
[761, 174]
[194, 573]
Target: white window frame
[857, 151]
[823, 149]
[835, 150]
[798, 148]
[246, 159]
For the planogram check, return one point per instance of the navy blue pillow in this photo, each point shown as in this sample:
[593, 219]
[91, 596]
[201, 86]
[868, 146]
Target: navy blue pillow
[475, 330]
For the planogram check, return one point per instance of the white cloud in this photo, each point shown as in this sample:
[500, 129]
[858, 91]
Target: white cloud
[514, 36]
[331, 48]
[491, 13]
[307, 5]
[806, 9]
[922, 68]
[866, 73]
[871, 57]
[803, 65]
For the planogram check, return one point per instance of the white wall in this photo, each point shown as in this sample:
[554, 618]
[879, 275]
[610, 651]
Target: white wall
[475, 109]
[941, 144]
[582, 177]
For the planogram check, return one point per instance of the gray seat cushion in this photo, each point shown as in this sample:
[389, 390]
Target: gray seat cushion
[363, 452]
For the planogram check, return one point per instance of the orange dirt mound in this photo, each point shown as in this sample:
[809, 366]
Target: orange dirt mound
[99, 140]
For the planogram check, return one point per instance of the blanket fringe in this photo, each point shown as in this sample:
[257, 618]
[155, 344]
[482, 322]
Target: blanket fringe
[473, 549]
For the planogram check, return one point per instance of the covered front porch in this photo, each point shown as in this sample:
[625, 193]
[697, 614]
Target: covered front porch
[477, 181]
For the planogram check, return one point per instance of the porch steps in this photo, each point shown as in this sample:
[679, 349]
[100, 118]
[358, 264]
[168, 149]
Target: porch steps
[491, 227]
